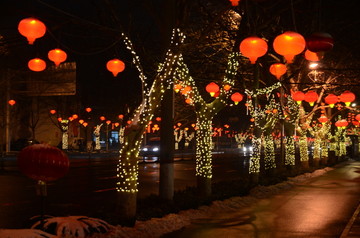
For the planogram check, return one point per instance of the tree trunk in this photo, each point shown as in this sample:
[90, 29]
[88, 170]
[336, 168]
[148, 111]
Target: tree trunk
[304, 156]
[204, 186]
[126, 208]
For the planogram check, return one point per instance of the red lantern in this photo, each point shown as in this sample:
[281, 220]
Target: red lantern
[43, 162]
[298, 96]
[52, 111]
[115, 66]
[253, 47]
[237, 97]
[57, 56]
[278, 70]
[212, 88]
[234, 3]
[102, 118]
[121, 116]
[357, 117]
[323, 118]
[312, 56]
[331, 99]
[11, 102]
[37, 64]
[75, 116]
[347, 97]
[81, 121]
[289, 44]
[177, 87]
[32, 29]
[189, 101]
[185, 90]
[227, 87]
[85, 124]
[108, 122]
[341, 123]
[88, 109]
[311, 97]
[319, 42]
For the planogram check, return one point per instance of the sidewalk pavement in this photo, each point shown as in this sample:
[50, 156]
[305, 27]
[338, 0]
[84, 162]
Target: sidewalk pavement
[352, 228]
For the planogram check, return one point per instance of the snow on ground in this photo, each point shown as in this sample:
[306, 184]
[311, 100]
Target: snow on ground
[156, 227]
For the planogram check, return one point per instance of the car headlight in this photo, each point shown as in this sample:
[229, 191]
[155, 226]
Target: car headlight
[145, 149]
[244, 149]
[155, 149]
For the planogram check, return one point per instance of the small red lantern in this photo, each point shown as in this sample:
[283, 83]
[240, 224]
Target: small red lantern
[121, 116]
[331, 99]
[278, 70]
[11, 102]
[185, 90]
[237, 97]
[312, 56]
[37, 64]
[102, 118]
[81, 121]
[323, 118]
[108, 122]
[189, 101]
[52, 111]
[253, 47]
[115, 66]
[341, 123]
[311, 97]
[227, 87]
[85, 124]
[116, 124]
[57, 56]
[43, 162]
[75, 116]
[212, 88]
[177, 87]
[88, 109]
[289, 44]
[298, 96]
[319, 42]
[234, 3]
[32, 29]
[347, 97]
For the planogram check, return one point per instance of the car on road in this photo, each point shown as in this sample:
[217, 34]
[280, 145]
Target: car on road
[152, 147]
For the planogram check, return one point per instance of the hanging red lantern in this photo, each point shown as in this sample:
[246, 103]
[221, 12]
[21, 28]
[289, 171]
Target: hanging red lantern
[177, 87]
[311, 97]
[357, 117]
[234, 3]
[57, 56]
[227, 87]
[102, 118]
[355, 123]
[212, 88]
[115, 66]
[81, 121]
[331, 99]
[36, 64]
[319, 42]
[185, 90]
[75, 116]
[278, 70]
[121, 116]
[237, 97]
[347, 97]
[85, 124]
[108, 122]
[253, 47]
[289, 44]
[323, 118]
[312, 56]
[341, 123]
[52, 111]
[32, 29]
[298, 96]
[88, 109]
[43, 162]
[11, 102]
[189, 101]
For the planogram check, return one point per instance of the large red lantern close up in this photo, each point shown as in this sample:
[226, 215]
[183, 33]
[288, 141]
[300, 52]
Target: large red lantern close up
[253, 47]
[43, 162]
[311, 97]
[331, 99]
[289, 44]
[347, 97]
[212, 88]
[319, 42]
[57, 56]
[115, 66]
[298, 96]
[32, 29]
[278, 70]
[36, 64]
[237, 97]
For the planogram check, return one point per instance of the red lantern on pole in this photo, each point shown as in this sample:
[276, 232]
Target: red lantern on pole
[237, 97]
[32, 29]
[37, 64]
[43, 162]
[347, 97]
[311, 97]
[298, 96]
[212, 88]
[253, 47]
[11, 102]
[331, 99]
[278, 70]
[115, 66]
[289, 44]
[319, 42]
[57, 56]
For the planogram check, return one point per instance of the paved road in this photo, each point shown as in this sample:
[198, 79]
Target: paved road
[321, 207]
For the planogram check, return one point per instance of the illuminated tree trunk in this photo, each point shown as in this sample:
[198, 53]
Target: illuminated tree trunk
[304, 156]
[316, 152]
[269, 153]
[203, 153]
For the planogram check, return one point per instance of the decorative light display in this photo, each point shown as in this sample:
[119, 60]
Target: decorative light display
[289, 44]
[237, 97]
[32, 29]
[319, 42]
[290, 151]
[303, 147]
[254, 164]
[57, 56]
[311, 97]
[269, 152]
[65, 135]
[278, 70]
[347, 97]
[36, 64]
[11, 102]
[253, 47]
[331, 99]
[177, 87]
[212, 88]
[115, 66]
[97, 137]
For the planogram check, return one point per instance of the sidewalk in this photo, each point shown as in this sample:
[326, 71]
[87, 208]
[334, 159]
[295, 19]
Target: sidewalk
[352, 229]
